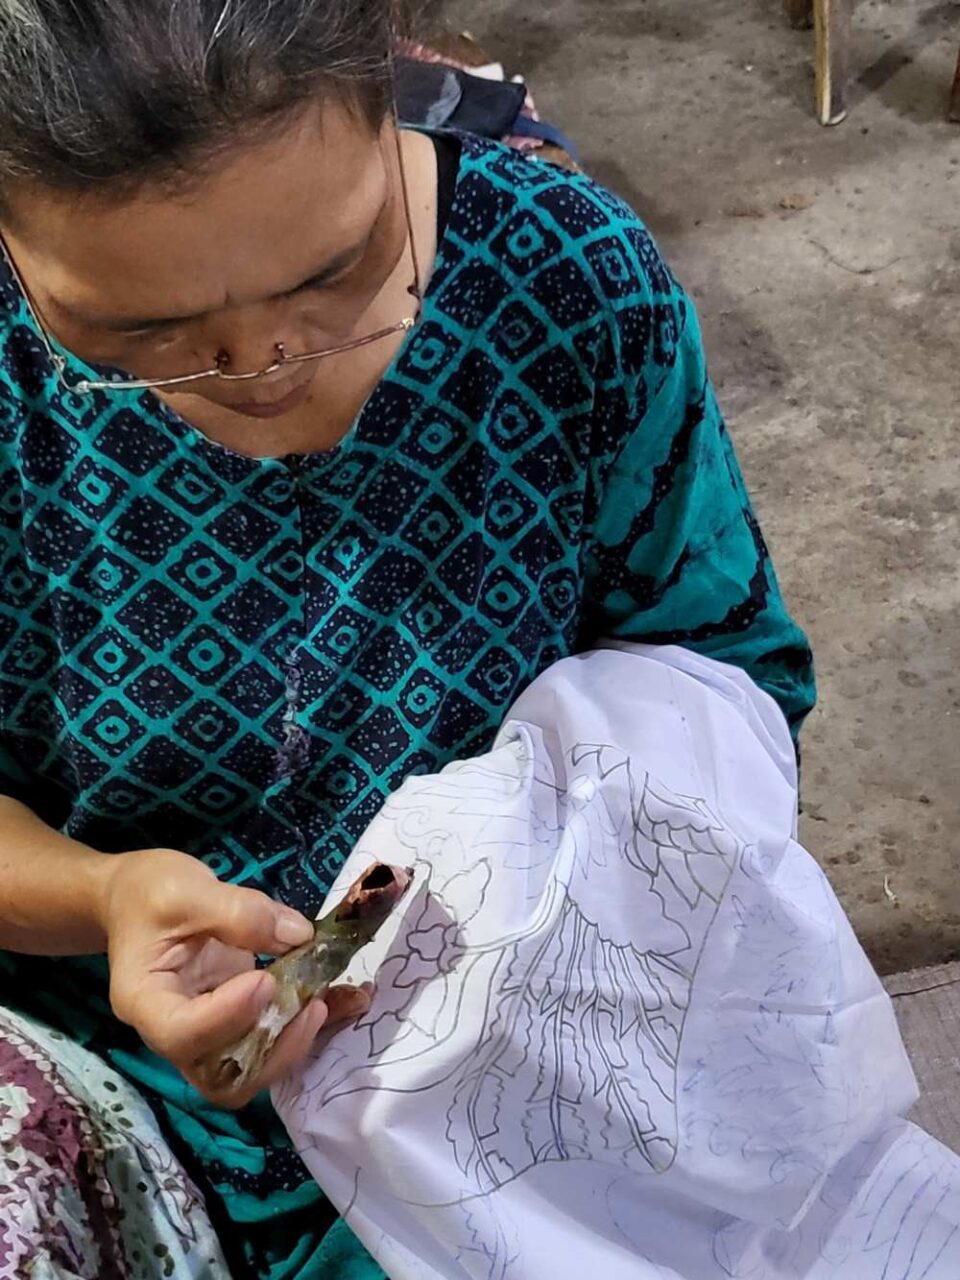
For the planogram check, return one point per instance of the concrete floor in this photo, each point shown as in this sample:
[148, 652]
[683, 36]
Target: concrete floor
[826, 264]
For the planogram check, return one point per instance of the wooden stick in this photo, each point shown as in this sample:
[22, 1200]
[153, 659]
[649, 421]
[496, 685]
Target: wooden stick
[832, 23]
[954, 113]
[799, 13]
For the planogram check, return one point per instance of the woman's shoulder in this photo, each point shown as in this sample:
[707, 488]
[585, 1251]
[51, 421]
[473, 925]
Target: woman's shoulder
[561, 263]
[536, 218]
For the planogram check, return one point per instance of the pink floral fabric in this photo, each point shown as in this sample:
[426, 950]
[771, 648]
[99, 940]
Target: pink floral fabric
[89, 1190]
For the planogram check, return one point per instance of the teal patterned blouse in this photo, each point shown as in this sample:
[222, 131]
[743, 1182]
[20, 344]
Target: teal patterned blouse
[242, 657]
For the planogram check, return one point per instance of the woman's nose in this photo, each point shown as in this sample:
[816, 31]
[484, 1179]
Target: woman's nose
[247, 346]
[230, 367]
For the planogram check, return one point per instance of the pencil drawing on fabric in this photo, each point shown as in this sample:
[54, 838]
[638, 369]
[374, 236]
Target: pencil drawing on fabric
[624, 1016]
[680, 855]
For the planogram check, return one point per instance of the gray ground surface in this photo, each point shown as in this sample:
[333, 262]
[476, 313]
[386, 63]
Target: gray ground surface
[826, 264]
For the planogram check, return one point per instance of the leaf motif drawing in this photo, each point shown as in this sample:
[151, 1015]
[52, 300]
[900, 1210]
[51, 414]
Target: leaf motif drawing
[581, 1037]
[491, 1241]
[605, 759]
[573, 999]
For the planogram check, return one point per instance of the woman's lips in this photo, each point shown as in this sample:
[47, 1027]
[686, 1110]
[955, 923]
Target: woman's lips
[273, 408]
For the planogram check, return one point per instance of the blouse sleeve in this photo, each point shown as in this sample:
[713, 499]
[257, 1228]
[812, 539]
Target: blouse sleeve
[675, 554]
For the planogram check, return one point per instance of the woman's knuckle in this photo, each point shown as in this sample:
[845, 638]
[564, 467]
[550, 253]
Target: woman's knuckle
[164, 1042]
[168, 1038]
[238, 908]
[166, 899]
[250, 912]
[122, 1001]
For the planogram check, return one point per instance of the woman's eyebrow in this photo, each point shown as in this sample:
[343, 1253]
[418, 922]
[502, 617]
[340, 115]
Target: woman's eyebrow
[125, 324]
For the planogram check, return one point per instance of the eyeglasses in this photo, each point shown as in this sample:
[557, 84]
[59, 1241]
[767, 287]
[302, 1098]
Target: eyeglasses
[87, 386]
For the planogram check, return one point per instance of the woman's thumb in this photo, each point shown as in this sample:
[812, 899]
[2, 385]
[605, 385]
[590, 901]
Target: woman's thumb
[248, 919]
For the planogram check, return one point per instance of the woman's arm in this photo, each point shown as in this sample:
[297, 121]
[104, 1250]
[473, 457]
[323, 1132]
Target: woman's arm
[52, 888]
[59, 897]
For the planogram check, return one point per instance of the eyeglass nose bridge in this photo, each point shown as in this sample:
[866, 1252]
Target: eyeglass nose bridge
[223, 359]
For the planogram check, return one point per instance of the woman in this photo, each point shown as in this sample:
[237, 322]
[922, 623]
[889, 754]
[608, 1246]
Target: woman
[320, 440]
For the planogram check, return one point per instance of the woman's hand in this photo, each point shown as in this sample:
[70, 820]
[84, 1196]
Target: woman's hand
[181, 945]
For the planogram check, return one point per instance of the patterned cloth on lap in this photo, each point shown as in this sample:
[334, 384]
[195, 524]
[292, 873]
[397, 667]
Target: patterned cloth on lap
[88, 1187]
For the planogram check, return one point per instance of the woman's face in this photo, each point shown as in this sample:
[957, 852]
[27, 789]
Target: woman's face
[289, 240]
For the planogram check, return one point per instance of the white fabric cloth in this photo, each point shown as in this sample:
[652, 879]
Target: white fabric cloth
[622, 1025]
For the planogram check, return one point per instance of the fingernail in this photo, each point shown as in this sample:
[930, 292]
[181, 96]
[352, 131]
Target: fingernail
[264, 991]
[292, 929]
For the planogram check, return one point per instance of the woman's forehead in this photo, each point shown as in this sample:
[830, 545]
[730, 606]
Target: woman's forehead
[260, 220]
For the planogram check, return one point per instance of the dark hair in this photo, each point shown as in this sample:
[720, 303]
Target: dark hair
[112, 93]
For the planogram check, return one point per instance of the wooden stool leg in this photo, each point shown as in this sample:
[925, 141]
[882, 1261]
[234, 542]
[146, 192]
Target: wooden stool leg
[955, 96]
[832, 22]
[799, 13]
